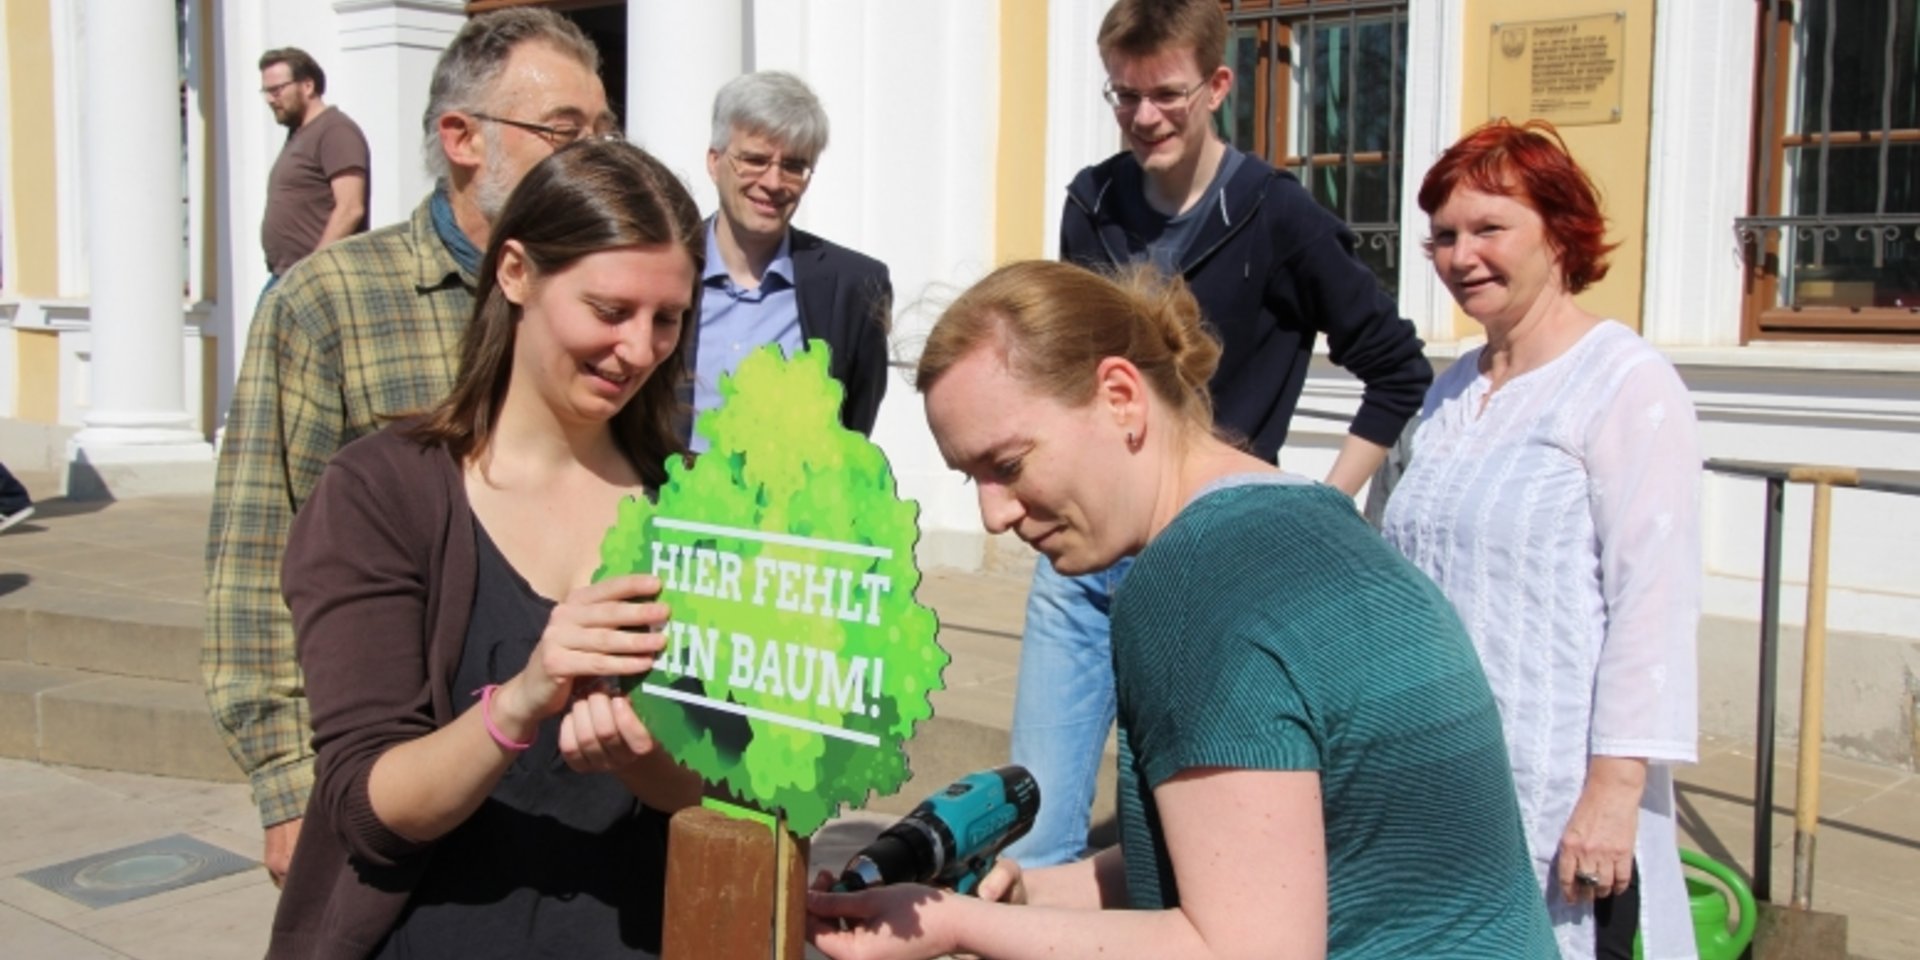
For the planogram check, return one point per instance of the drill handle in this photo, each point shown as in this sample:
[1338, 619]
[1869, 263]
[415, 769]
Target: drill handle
[977, 869]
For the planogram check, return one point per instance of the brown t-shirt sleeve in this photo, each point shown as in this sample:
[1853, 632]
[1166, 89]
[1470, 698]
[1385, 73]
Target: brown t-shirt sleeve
[342, 149]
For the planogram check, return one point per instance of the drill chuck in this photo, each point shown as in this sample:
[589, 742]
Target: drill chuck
[911, 851]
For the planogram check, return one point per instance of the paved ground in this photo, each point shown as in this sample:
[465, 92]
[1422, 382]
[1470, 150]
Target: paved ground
[1869, 848]
[140, 560]
[51, 814]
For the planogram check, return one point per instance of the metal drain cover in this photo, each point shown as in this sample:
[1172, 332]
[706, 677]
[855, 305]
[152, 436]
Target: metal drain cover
[142, 870]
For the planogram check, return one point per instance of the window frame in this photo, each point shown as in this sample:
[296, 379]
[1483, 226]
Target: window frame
[1761, 233]
[1274, 23]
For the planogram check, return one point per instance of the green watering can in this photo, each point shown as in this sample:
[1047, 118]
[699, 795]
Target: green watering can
[1709, 902]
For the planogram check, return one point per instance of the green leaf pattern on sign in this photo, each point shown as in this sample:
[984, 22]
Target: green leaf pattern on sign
[857, 656]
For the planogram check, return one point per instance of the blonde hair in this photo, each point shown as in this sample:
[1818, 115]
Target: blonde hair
[1054, 322]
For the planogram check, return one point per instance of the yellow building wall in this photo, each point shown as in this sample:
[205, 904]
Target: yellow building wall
[1021, 155]
[1613, 154]
[36, 396]
[30, 153]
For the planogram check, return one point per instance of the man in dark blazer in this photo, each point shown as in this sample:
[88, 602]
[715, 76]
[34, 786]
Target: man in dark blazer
[766, 282]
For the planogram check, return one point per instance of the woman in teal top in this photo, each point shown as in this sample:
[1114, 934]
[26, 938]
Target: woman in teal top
[1311, 761]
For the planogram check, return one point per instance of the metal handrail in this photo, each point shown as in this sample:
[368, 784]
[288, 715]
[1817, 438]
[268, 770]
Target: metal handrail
[1885, 481]
[1806, 812]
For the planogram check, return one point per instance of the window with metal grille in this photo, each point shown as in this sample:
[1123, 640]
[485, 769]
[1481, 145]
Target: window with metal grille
[1832, 242]
[1318, 88]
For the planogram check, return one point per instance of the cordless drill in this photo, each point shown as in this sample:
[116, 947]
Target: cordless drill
[952, 837]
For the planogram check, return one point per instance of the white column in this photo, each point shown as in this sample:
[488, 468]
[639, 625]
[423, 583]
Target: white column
[202, 92]
[1435, 39]
[1697, 172]
[904, 116]
[243, 151]
[138, 437]
[387, 52]
[1081, 130]
[70, 81]
[678, 55]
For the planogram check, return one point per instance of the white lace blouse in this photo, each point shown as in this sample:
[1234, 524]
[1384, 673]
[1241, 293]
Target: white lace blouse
[1562, 520]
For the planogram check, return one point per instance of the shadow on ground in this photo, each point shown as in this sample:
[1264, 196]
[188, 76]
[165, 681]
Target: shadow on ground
[63, 507]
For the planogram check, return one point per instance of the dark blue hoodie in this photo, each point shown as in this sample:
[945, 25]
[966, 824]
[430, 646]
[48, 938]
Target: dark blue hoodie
[1272, 269]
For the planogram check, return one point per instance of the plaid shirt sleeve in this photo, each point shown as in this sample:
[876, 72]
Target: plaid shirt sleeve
[366, 329]
[286, 420]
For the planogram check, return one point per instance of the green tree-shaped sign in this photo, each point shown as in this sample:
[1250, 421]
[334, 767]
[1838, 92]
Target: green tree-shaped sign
[797, 659]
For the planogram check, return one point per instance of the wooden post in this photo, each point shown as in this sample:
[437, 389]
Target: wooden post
[736, 890]
[1806, 804]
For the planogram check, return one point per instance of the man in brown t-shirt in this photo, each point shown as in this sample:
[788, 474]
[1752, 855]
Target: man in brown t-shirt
[317, 192]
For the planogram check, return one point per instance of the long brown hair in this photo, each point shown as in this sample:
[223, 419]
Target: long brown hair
[589, 197]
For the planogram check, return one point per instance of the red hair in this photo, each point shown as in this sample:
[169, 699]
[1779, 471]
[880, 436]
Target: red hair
[1530, 162]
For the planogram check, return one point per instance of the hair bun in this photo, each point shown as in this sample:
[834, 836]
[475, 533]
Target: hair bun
[1168, 311]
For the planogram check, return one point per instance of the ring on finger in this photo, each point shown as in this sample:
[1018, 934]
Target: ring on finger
[1586, 878]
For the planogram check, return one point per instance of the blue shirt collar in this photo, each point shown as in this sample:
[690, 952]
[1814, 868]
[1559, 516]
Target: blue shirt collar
[780, 266]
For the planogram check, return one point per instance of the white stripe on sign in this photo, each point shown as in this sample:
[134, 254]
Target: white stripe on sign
[728, 706]
[785, 539]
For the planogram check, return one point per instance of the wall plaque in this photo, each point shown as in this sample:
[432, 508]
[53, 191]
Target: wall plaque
[1566, 71]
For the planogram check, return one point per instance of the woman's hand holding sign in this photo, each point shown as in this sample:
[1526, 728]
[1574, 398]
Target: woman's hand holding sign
[601, 733]
[427, 786]
[602, 630]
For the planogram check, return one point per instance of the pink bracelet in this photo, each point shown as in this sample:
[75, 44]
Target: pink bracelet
[486, 716]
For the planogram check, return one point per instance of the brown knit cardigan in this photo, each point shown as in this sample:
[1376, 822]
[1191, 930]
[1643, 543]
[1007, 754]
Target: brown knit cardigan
[379, 573]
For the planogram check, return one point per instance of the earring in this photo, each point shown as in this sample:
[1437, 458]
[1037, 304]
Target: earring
[1130, 443]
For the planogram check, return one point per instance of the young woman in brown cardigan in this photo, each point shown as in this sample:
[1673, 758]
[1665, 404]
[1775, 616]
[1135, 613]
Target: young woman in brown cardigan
[481, 786]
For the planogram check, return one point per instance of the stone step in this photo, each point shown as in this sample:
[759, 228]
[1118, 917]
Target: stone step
[98, 691]
[144, 645]
[162, 727]
[87, 719]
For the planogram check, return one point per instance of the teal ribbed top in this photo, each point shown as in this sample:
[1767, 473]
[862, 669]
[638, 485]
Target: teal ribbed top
[1269, 628]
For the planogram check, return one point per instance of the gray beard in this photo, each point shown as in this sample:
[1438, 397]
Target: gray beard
[491, 189]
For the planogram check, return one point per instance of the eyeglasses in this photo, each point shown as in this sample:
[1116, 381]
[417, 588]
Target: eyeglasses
[557, 135]
[273, 89]
[1163, 100]
[752, 166]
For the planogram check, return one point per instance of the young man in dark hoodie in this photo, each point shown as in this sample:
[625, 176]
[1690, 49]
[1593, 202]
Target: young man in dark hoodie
[1272, 270]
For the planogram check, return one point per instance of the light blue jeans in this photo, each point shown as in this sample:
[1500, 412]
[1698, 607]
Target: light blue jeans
[1064, 705]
